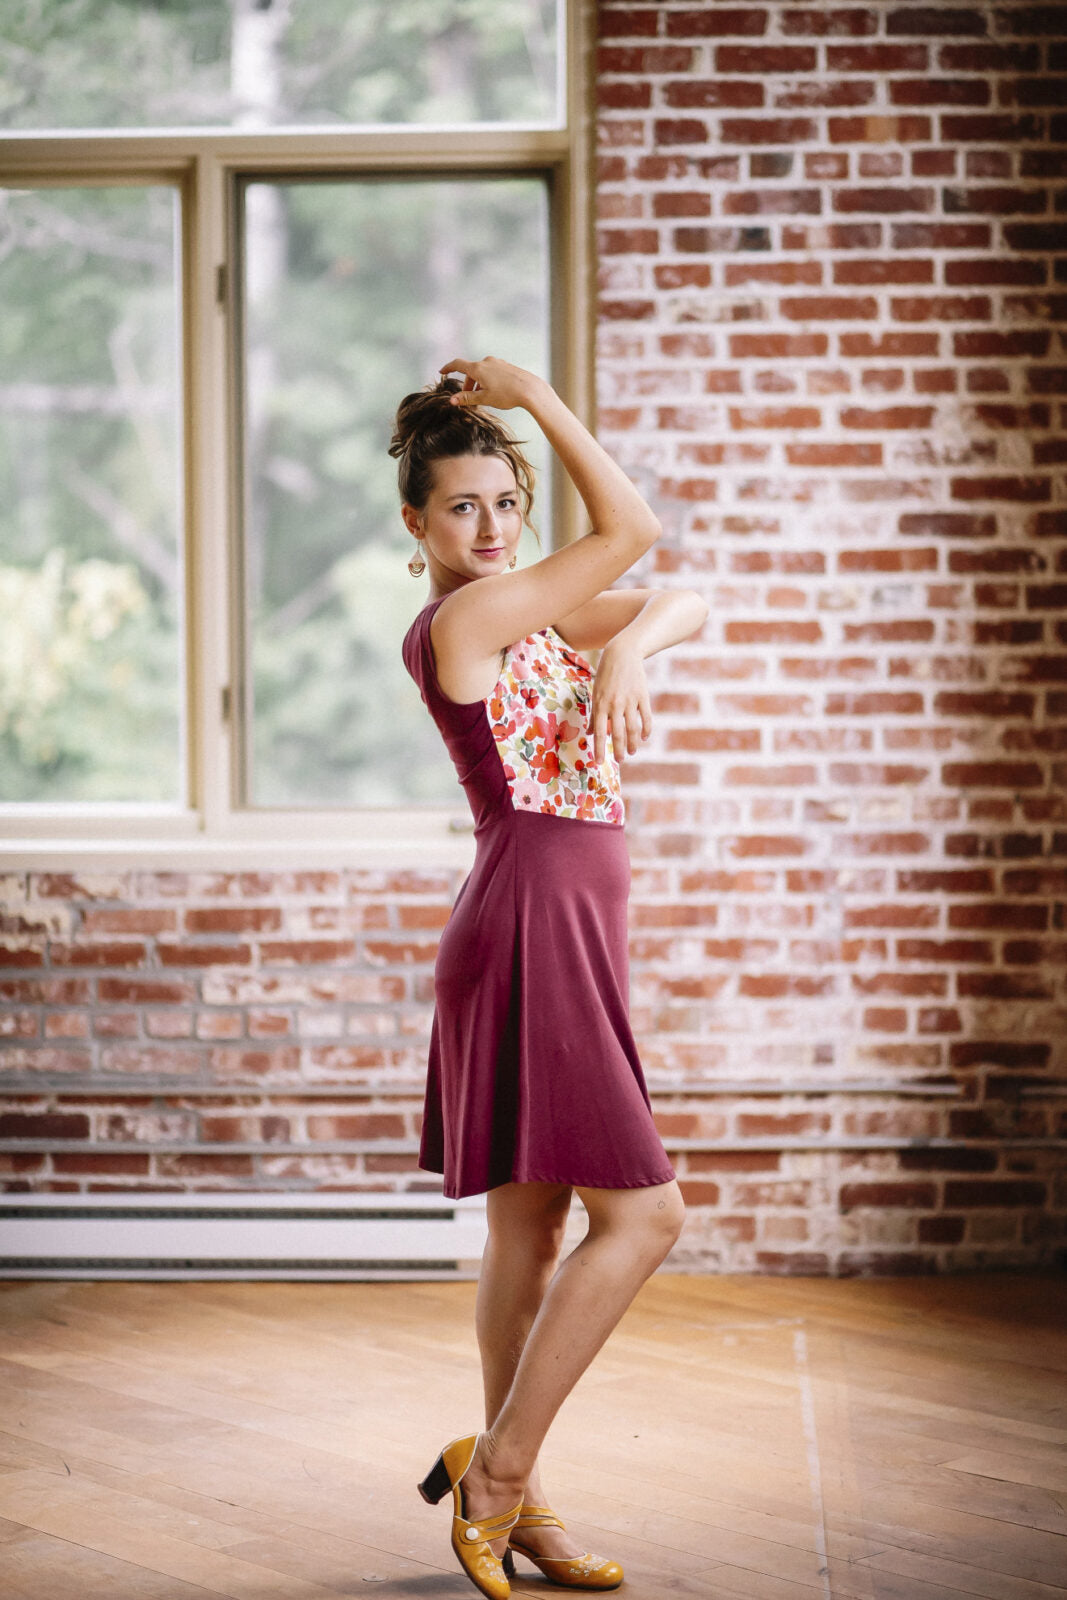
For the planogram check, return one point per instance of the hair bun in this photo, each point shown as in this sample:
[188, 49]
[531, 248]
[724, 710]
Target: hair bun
[426, 412]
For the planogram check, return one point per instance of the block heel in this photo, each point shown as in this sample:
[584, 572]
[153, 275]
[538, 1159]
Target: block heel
[436, 1483]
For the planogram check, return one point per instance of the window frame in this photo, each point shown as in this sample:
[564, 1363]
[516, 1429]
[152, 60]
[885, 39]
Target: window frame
[206, 167]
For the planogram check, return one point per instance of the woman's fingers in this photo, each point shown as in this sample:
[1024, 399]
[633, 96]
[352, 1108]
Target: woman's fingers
[492, 382]
[629, 722]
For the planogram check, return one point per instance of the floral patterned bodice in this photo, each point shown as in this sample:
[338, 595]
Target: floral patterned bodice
[539, 713]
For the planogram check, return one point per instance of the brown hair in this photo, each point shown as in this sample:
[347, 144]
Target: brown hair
[428, 428]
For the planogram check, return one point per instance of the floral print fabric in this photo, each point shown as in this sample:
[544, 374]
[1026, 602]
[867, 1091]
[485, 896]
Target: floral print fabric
[539, 715]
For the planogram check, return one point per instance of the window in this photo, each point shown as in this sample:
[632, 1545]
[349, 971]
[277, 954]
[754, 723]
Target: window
[232, 235]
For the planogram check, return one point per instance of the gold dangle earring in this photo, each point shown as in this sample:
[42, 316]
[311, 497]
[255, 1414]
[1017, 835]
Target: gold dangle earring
[417, 566]
[514, 561]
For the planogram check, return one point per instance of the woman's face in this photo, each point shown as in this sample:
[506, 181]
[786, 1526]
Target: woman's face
[471, 523]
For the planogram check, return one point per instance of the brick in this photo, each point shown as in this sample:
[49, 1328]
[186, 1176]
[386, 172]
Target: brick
[681, 203]
[626, 311]
[888, 344]
[131, 953]
[933, 163]
[828, 308]
[996, 704]
[203, 955]
[1044, 21]
[777, 346]
[834, 455]
[966, 1193]
[809, 22]
[1001, 488]
[913, 1196]
[989, 128]
[129, 919]
[939, 92]
[1031, 416]
[773, 202]
[628, 22]
[877, 58]
[1000, 344]
[936, 21]
[145, 991]
[941, 308]
[622, 132]
[716, 239]
[934, 380]
[624, 96]
[989, 57]
[1046, 380]
[791, 417]
[721, 22]
[989, 270]
[368, 1125]
[907, 270]
[941, 236]
[236, 919]
[739, 273]
[642, 59]
[889, 417]
[629, 241]
[883, 199]
[767, 130]
[996, 201]
[880, 129]
[44, 1125]
[941, 1230]
[765, 58]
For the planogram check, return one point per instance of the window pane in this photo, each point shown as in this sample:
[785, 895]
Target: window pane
[355, 294]
[90, 585]
[266, 63]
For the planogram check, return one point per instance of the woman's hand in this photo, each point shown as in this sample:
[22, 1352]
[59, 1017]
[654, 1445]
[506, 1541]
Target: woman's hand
[495, 383]
[620, 702]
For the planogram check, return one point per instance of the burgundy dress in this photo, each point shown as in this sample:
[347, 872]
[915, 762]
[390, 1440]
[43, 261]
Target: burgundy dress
[533, 1072]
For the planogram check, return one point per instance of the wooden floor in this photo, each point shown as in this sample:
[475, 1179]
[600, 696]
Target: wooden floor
[891, 1440]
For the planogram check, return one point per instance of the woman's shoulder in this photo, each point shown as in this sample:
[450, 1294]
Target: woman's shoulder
[416, 640]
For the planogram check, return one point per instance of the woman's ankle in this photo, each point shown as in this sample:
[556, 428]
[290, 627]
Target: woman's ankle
[501, 1465]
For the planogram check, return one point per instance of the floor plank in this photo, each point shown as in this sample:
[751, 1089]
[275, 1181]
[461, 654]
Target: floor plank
[772, 1439]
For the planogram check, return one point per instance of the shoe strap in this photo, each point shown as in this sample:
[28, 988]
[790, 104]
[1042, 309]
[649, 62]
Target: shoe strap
[538, 1517]
[489, 1528]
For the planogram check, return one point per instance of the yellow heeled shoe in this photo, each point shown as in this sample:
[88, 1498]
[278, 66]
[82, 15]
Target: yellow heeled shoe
[470, 1540]
[570, 1572]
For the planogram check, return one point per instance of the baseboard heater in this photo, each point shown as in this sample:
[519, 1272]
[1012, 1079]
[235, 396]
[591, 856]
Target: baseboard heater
[232, 1236]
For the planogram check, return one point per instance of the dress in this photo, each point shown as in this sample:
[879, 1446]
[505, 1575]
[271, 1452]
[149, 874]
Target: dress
[533, 1073]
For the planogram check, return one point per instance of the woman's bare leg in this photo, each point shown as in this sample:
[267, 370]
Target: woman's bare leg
[527, 1222]
[630, 1233]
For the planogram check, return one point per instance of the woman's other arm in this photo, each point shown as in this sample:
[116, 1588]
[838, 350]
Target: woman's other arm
[620, 693]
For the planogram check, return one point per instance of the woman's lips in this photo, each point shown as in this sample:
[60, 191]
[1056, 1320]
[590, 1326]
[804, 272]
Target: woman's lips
[497, 550]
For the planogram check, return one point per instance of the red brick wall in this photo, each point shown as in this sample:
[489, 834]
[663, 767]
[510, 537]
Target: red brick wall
[831, 351]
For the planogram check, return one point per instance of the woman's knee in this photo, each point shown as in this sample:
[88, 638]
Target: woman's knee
[668, 1217]
[650, 1219]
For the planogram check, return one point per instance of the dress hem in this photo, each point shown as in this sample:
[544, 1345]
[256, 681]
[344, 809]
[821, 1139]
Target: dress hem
[569, 1183]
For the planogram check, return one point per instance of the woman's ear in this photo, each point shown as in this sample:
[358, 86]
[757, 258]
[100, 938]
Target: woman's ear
[412, 520]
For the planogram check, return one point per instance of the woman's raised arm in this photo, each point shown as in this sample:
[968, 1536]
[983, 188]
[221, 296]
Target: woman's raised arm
[482, 618]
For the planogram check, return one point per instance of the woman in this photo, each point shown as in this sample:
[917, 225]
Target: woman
[534, 1088]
